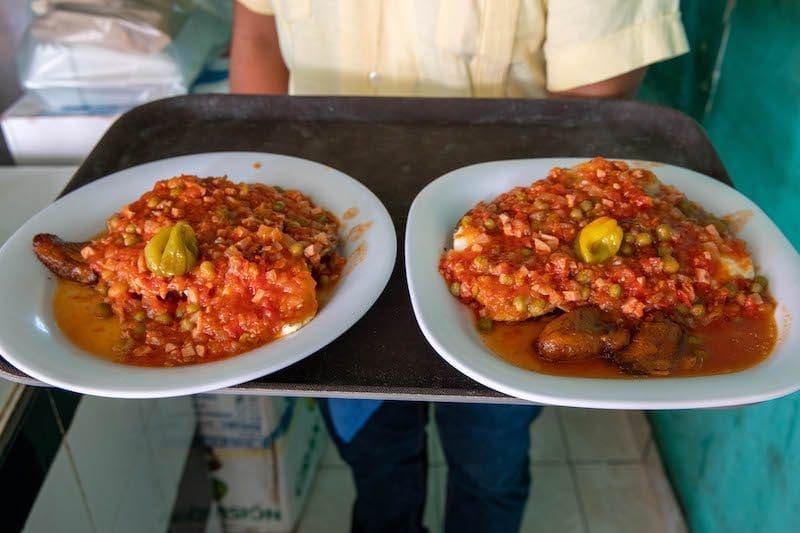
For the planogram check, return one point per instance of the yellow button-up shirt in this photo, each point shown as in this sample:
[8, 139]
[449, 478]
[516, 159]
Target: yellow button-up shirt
[485, 48]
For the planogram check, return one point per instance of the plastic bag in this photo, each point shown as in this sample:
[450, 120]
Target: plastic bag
[118, 53]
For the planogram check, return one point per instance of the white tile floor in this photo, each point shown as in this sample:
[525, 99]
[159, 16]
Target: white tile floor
[594, 471]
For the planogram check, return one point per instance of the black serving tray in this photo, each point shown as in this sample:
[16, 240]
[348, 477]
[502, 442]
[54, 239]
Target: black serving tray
[394, 146]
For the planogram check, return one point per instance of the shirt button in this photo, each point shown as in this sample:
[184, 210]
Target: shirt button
[373, 77]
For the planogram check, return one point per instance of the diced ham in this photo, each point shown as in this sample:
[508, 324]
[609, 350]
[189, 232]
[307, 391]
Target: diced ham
[541, 246]
[634, 307]
[551, 240]
[702, 275]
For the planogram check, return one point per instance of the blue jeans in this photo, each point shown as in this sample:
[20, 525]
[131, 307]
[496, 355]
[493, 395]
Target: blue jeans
[486, 447]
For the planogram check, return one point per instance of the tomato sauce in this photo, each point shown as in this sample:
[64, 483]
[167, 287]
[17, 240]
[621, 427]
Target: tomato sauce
[526, 253]
[262, 253]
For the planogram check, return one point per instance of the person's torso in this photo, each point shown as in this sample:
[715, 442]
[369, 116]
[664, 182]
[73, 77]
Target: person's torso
[490, 48]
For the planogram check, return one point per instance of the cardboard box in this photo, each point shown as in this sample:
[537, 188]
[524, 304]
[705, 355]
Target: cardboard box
[264, 455]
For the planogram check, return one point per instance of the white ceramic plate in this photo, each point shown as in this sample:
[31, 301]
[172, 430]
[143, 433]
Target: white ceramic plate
[31, 341]
[449, 327]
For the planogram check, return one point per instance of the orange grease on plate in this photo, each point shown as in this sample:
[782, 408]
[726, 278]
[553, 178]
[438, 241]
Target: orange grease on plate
[730, 346]
[74, 307]
[738, 219]
[358, 231]
[787, 324]
[350, 214]
[256, 165]
[355, 257]
[649, 165]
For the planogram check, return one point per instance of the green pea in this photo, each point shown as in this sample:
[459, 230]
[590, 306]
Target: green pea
[130, 228]
[130, 239]
[587, 205]
[192, 308]
[586, 292]
[526, 252]
[576, 214]
[670, 265]
[615, 290]
[296, 249]
[485, 323]
[540, 204]
[466, 220]
[720, 224]
[682, 308]
[506, 279]
[537, 307]
[761, 280]
[663, 232]
[139, 330]
[481, 261]
[164, 318]
[731, 288]
[643, 239]
[756, 288]
[153, 201]
[103, 310]
[629, 238]
[626, 249]
[520, 304]
[694, 340]
[455, 289]
[490, 224]
[698, 310]
[187, 324]
[207, 270]
[279, 206]
[584, 276]
[140, 316]
[664, 250]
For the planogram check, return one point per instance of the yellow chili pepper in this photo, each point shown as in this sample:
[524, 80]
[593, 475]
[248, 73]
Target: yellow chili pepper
[172, 251]
[599, 240]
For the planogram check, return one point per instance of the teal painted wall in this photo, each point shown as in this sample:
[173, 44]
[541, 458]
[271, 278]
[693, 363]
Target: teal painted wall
[738, 470]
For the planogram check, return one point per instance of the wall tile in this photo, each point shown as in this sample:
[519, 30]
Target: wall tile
[143, 508]
[640, 429]
[617, 499]
[599, 435]
[106, 439]
[663, 495]
[59, 505]
[547, 442]
[553, 503]
[169, 432]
